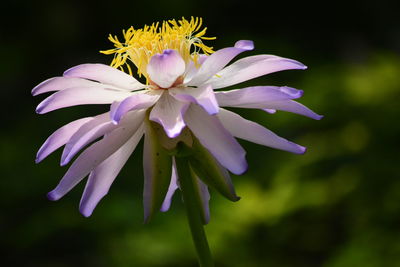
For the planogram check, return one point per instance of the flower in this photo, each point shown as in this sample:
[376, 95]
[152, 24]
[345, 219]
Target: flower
[179, 103]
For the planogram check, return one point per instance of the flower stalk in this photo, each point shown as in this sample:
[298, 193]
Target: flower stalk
[193, 207]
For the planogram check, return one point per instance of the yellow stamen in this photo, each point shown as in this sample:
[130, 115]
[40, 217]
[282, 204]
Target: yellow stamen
[140, 45]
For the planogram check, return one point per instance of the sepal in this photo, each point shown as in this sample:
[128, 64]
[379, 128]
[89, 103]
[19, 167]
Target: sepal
[157, 171]
[211, 172]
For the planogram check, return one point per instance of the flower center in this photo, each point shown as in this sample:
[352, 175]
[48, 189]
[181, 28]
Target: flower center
[141, 44]
[177, 82]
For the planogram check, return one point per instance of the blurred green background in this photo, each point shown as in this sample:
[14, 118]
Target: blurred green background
[337, 205]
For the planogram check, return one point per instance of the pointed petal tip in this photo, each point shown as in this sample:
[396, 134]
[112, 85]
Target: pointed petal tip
[295, 148]
[39, 109]
[237, 198]
[301, 150]
[293, 92]
[171, 133]
[270, 111]
[53, 196]
[34, 92]
[242, 168]
[68, 71]
[300, 66]
[64, 161]
[85, 212]
[165, 209]
[115, 115]
[245, 44]
[315, 116]
[38, 160]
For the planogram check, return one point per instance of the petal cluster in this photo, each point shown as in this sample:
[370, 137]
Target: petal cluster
[180, 98]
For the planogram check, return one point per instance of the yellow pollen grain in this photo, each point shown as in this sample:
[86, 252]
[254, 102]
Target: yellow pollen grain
[141, 44]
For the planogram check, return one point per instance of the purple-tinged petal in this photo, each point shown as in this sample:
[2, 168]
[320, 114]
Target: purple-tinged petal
[96, 154]
[113, 107]
[105, 74]
[295, 107]
[61, 83]
[165, 68]
[252, 67]
[203, 96]
[83, 136]
[205, 198]
[253, 132]
[101, 178]
[169, 112]
[218, 60]
[257, 95]
[242, 99]
[136, 101]
[77, 143]
[218, 141]
[59, 138]
[192, 68]
[171, 189]
[270, 111]
[80, 96]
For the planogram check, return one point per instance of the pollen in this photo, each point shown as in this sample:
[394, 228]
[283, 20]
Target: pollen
[139, 45]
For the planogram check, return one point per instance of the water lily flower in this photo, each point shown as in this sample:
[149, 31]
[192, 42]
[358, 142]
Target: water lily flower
[180, 103]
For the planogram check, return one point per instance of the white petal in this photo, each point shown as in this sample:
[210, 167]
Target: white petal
[242, 98]
[192, 68]
[253, 132]
[216, 61]
[61, 83]
[169, 112]
[203, 96]
[270, 111]
[295, 107]
[136, 101]
[101, 178]
[59, 138]
[104, 74]
[96, 154]
[251, 67]
[165, 68]
[83, 136]
[79, 96]
[256, 96]
[171, 189]
[79, 141]
[213, 136]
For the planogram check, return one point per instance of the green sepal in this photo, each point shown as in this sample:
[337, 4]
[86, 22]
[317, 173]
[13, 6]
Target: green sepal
[210, 171]
[177, 146]
[158, 175]
[199, 196]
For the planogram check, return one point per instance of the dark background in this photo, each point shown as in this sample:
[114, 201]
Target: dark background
[337, 205]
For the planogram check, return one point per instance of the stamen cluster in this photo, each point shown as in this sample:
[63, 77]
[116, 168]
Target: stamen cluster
[141, 44]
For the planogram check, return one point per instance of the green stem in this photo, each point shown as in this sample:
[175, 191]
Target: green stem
[193, 212]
